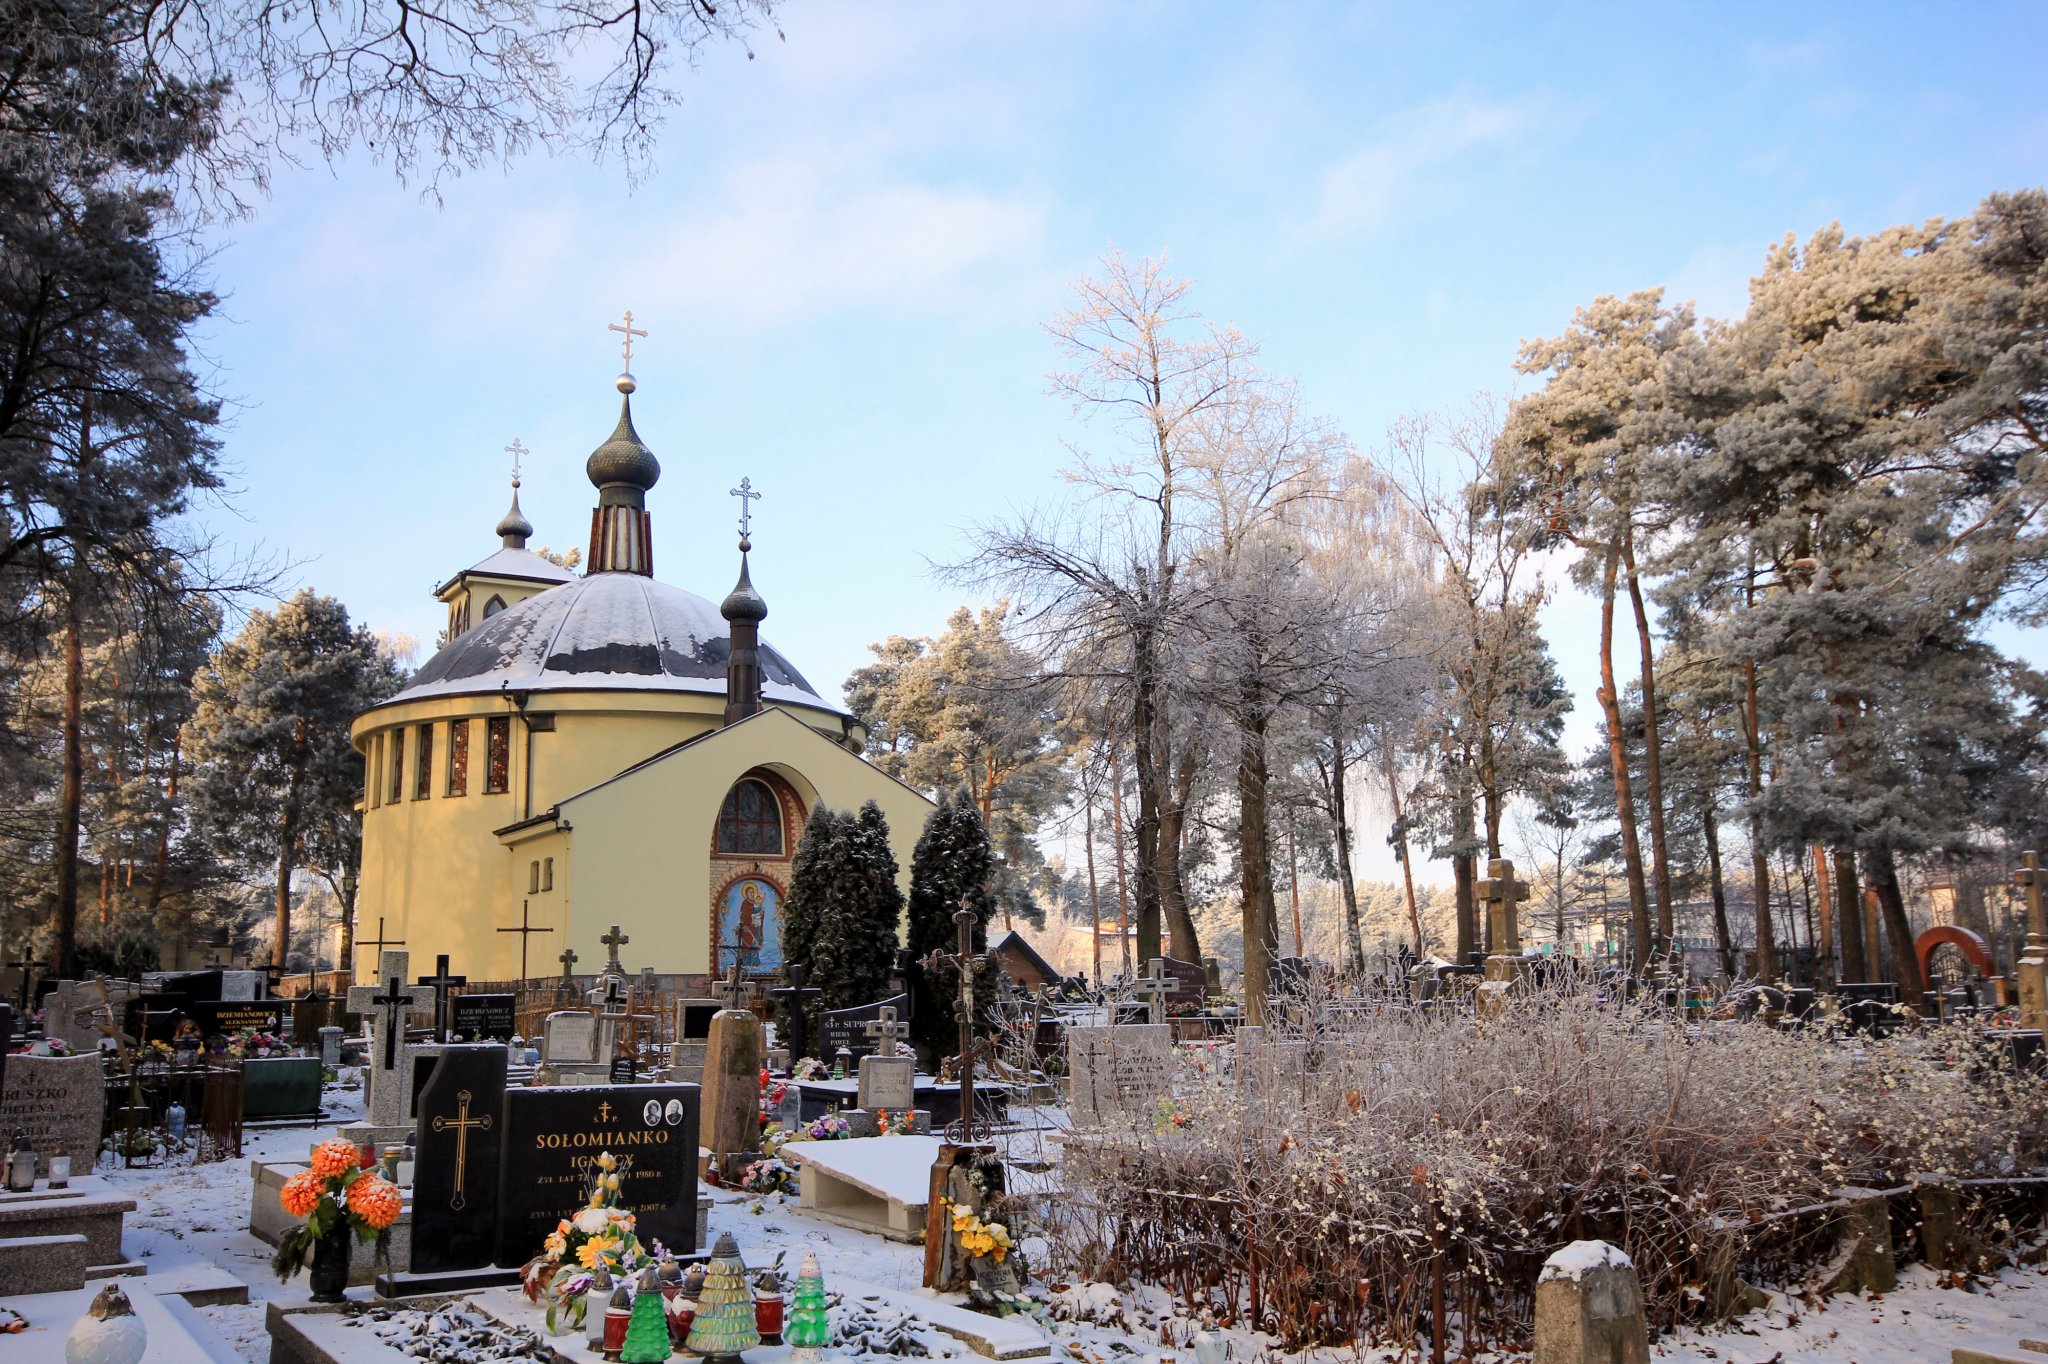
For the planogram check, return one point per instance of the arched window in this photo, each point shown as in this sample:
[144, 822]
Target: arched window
[493, 607]
[750, 820]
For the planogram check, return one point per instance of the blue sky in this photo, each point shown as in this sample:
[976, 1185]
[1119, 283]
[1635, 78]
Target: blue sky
[851, 242]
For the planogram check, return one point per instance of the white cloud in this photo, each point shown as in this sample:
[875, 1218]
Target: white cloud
[801, 236]
[1368, 186]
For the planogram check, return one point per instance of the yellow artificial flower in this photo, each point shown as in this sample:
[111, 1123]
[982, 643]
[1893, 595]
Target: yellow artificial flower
[596, 1248]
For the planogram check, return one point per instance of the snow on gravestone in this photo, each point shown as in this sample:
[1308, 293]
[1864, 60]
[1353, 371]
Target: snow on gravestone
[1589, 1308]
[55, 1098]
[1118, 1070]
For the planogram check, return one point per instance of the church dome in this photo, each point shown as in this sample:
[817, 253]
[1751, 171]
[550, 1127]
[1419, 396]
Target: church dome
[624, 458]
[602, 632]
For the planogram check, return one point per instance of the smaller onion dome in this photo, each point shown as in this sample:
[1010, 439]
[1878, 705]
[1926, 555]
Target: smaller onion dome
[743, 603]
[515, 527]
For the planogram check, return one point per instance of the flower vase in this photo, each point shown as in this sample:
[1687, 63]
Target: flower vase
[329, 1277]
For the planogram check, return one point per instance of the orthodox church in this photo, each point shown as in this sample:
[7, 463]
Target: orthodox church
[599, 750]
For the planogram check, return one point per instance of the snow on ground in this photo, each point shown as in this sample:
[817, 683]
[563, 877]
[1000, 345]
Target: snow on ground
[188, 1213]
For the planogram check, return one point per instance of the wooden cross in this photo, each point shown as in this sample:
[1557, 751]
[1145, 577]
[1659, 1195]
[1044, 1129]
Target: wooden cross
[630, 331]
[1503, 892]
[2028, 877]
[525, 930]
[885, 1030]
[747, 496]
[568, 960]
[613, 941]
[798, 995]
[1152, 988]
[461, 1122]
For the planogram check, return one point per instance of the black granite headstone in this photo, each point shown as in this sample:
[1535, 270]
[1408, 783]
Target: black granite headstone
[477, 1017]
[623, 1072]
[553, 1136]
[840, 1029]
[153, 1016]
[460, 1141]
[240, 1015]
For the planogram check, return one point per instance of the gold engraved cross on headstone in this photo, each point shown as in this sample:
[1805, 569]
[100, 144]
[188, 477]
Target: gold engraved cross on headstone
[461, 1122]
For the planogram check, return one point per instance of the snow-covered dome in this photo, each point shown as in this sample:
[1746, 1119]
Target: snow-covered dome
[602, 632]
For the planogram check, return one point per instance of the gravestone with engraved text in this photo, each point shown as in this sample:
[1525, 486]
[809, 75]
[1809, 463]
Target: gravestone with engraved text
[553, 1137]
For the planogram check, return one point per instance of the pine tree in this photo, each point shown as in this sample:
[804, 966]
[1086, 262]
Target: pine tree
[950, 867]
[810, 1327]
[647, 1339]
[803, 907]
[724, 1325]
[862, 910]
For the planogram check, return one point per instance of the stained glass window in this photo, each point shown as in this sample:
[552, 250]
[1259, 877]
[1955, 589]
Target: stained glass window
[751, 820]
[397, 766]
[423, 778]
[458, 757]
[498, 755]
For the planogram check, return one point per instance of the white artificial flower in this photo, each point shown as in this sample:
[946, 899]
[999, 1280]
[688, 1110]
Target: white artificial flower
[592, 1221]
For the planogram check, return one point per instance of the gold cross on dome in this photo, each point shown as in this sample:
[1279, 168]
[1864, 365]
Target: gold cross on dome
[630, 331]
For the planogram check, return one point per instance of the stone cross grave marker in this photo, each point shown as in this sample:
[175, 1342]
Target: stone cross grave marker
[1151, 988]
[888, 1080]
[613, 941]
[885, 1031]
[388, 1005]
[568, 960]
[1503, 894]
[2032, 967]
[440, 982]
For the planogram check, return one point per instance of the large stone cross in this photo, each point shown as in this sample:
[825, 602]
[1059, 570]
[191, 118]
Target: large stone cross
[613, 941]
[886, 1031]
[568, 960]
[1502, 893]
[1152, 987]
[371, 1000]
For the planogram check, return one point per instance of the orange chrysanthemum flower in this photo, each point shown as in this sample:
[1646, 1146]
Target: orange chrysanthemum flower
[301, 1193]
[333, 1159]
[376, 1200]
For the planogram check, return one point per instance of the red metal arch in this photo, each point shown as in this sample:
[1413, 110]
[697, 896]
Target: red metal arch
[1974, 948]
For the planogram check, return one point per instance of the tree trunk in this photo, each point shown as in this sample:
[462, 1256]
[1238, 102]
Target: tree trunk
[1401, 837]
[1143, 735]
[1723, 938]
[1489, 796]
[1255, 858]
[1094, 891]
[287, 849]
[1123, 897]
[1822, 904]
[1624, 796]
[1354, 947]
[1185, 943]
[1461, 877]
[1849, 914]
[1759, 859]
[1884, 879]
[163, 828]
[72, 792]
[1653, 749]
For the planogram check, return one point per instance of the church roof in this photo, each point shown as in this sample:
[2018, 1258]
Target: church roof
[601, 632]
[522, 564]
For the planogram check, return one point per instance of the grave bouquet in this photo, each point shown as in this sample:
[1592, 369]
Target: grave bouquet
[765, 1176]
[830, 1127]
[332, 1197]
[600, 1233]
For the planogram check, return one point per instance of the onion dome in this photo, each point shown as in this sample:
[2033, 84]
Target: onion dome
[743, 603]
[624, 462]
[514, 529]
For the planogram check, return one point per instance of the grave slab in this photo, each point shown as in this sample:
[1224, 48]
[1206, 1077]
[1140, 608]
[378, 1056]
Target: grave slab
[999, 1338]
[876, 1184]
[174, 1333]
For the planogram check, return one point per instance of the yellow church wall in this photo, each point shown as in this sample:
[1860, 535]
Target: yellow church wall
[641, 845]
[434, 868]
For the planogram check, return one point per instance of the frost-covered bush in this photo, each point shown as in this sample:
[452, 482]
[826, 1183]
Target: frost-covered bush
[1328, 1184]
